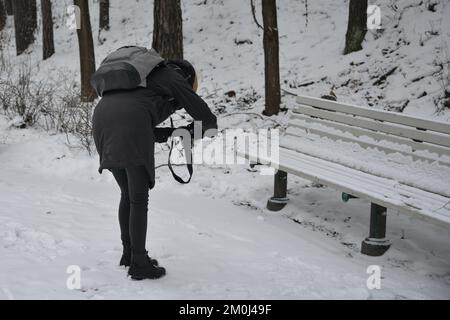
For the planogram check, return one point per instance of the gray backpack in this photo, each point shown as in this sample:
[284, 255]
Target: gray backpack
[126, 68]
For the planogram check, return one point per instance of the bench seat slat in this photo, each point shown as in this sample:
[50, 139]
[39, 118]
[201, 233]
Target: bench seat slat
[385, 192]
[367, 163]
[425, 202]
[377, 182]
[434, 138]
[377, 136]
[398, 118]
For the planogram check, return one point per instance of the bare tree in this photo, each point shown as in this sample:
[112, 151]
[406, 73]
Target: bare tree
[87, 56]
[357, 26]
[9, 7]
[271, 57]
[104, 15]
[47, 29]
[168, 29]
[25, 23]
[2, 16]
[32, 12]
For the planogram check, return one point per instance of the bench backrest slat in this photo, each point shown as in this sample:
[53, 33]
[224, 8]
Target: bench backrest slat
[379, 137]
[381, 115]
[364, 144]
[375, 125]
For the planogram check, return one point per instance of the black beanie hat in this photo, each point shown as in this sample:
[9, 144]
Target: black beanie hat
[185, 68]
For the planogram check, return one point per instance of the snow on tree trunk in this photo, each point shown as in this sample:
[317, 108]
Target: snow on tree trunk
[25, 23]
[168, 29]
[47, 29]
[271, 57]
[357, 26]
[86, 46]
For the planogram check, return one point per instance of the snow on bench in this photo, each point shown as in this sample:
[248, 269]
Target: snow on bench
[393, 160]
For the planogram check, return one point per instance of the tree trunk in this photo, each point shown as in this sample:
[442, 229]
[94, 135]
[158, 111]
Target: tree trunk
[104, 15]
[87, 57]
[271, 57]
[9, 7]
[25, 23]
[2, 16]
[357, 26]
[168, 29]
[47, 29]
[32, 11]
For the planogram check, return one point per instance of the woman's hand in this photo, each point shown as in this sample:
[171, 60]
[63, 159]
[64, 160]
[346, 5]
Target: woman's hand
[163, 134]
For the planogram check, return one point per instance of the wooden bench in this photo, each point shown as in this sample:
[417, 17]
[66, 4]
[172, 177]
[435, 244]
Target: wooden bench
[393, 160]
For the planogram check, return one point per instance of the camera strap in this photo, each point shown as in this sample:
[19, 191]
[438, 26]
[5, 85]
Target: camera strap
[188, 154]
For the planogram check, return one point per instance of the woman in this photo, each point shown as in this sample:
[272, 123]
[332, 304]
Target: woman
[124, 129]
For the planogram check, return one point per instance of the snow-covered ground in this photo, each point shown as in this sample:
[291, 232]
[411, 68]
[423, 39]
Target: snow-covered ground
[214, 236]
[215, 240]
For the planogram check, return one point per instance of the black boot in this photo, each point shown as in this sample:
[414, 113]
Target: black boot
[126, 258]
[142, 268]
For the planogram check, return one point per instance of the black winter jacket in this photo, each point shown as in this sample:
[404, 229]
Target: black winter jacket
[124, 121]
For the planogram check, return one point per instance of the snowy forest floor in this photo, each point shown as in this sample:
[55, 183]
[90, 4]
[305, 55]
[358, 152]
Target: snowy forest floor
[214, 236]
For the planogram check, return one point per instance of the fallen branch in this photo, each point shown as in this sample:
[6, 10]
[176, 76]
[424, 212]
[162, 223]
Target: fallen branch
[383, 78]
[306, 84]
[252, 4]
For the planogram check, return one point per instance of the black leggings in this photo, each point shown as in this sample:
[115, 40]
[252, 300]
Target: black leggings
[134, 184]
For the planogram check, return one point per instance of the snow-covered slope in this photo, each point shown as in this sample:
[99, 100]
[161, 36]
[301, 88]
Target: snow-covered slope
[214, 235]
[226, 45]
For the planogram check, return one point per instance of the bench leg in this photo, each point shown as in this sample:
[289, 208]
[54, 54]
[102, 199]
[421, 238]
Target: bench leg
[377, 244]
[279, 199]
